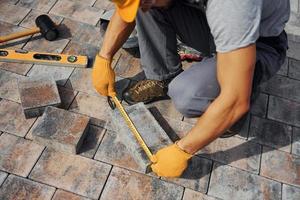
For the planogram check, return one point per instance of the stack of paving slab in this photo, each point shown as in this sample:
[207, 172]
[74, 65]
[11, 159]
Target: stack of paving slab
[56, 128]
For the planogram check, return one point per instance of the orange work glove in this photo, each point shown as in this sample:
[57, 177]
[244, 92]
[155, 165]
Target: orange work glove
[103, 77]
[171, 161]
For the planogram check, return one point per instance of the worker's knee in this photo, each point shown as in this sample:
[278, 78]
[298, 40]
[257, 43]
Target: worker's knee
[187, 98]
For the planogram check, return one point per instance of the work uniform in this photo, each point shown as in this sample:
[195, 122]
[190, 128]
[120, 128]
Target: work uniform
[221, 26]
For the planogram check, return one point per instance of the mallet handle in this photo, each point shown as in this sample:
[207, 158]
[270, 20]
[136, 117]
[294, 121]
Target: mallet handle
[19, 34]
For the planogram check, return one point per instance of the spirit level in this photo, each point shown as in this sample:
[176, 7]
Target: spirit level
[23, 56]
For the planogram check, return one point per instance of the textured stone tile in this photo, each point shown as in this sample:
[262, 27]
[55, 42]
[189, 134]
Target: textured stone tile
[280, 166]
[296, 141]
[12, 119]
[133, 185]
[58, 73]
[259, 107]
[8, 13]
[230, 183]
[196, 176]
[36, 94]
[63, 195]
[41, 5]
[67, 96]
[38, 43]
[29, 20]
[95, 107]
[7, 29]
[290, 193]
[167, 109]
[60, 129]
[75, 174]
[105, 5]
[20, 188]
[193, 195]
[81, 80]
[294, 69]
[91, 142]
[127, 66]
[81, 33]
[17, 68]
[78, 11]
[284, 111]
[294, 50]
[284, 68]
[234, 151]
[149, 129]
[18, 155]
[3, 176]
[9, 85]
[283, 87]
[75, 48]
[271, 133]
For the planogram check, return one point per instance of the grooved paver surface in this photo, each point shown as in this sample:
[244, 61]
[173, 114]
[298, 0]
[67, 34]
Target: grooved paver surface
[61, 129]
[259, 163]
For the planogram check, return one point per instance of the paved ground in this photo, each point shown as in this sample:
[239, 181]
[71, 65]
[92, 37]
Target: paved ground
[262, 162]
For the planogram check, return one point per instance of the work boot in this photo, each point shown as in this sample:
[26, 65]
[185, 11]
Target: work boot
[147, 91]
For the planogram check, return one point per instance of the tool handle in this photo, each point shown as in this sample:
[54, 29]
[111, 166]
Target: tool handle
[19, 34]
[132, 127]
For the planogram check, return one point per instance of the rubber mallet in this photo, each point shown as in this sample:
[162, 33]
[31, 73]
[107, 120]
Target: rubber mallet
[44, 25]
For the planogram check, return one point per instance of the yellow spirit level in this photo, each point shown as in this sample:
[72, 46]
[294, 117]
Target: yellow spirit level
[23, 56]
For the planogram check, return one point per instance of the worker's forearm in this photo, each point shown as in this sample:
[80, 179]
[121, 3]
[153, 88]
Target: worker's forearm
[117, 33]
[220, 116]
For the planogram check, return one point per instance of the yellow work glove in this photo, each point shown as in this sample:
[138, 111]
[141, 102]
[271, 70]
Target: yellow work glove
[170, 162]
[103, 77]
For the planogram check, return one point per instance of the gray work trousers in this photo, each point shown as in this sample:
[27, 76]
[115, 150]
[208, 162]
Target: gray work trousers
[194, 89]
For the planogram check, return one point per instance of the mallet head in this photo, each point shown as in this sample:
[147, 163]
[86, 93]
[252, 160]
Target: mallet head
[47, 27]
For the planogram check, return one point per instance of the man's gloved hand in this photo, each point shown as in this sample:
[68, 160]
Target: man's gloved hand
[171, 161]
[103, 77]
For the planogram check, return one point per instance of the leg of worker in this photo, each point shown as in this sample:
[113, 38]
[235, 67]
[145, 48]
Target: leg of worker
[157, 30]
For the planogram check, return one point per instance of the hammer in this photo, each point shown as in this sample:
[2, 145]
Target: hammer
[44, 25]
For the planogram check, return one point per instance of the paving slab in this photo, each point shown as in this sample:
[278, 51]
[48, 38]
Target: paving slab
[234, 184]
[95, 107]
[296, 141]
[196, 176]
[92, 141]
[81, 32]
[105, 5]
[294, 49]
[284, 110]
[167, 109]
[41, 5]
[67, 96]
[36, 94]
[124, 184]
[280, 166]
[9, 85]
[3, 176]
[75, 174]
[58, 73]
[8, 13]
[18, 155]
[12, 119]
[234, 151]
[284, 68]
[283, 87]
[20, 188]
[294, 71]
[271, 133]
[259, 107]
[61, 129]
[290, 192]
[193, 195]
[76, 48]
[63, 195]
[132, 69]
[78, 11]
[17, 68]
[152, 133]
[29, 20]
